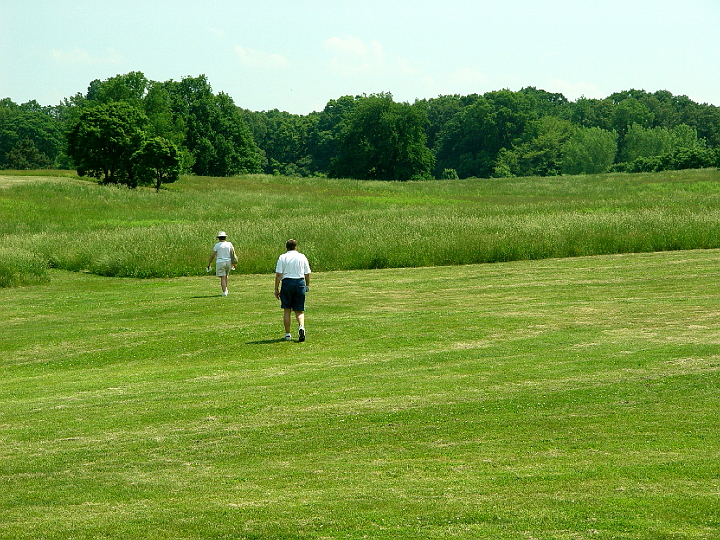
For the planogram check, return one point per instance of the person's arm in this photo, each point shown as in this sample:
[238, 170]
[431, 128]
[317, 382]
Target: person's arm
[212, 258]
[278, 278]
[307, 282]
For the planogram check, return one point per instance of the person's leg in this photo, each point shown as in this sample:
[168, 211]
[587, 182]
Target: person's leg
[286, 320]
[222, 271]
[300, 316]
[299, 308]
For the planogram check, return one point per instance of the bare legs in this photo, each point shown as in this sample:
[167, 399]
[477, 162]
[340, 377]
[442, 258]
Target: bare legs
[224, 284]
[287, 318]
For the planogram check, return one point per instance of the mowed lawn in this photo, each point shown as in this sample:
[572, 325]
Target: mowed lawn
[554, 399]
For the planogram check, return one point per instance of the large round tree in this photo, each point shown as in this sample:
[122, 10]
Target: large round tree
[156, 163]
[103, 140]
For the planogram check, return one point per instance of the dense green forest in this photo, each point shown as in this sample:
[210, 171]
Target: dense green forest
[128, 128]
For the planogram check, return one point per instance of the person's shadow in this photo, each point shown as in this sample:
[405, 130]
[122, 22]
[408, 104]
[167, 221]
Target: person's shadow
[266, 341]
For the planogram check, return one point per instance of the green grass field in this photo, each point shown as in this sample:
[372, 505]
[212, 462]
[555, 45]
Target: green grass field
[536, 398]
[554, 399]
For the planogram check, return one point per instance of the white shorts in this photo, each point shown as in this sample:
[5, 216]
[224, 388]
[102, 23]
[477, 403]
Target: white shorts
[223, 268]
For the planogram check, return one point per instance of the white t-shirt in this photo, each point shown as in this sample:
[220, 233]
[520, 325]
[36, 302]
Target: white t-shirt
[292, 264]
[223, 250]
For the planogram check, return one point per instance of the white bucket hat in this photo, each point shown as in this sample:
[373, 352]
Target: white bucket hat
[221, 234]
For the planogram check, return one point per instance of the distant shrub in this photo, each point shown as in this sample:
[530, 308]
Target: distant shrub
[641, 164]
[589, 151]
[691, 158]
[680, 159]
[449, 174]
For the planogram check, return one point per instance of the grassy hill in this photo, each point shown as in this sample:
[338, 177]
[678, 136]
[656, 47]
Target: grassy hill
[343, 224]
[546, 399]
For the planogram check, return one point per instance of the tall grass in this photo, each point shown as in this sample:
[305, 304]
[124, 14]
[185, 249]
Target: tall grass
[347, 224]
[18, 268]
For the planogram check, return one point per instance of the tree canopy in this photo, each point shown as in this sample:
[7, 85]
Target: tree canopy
[134, 131]
[103, 139]
[105, 131]
[30, 138]
[383, 140]
[157, 162]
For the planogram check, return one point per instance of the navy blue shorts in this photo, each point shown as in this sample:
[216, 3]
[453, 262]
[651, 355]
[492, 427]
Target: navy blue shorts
[292, 294]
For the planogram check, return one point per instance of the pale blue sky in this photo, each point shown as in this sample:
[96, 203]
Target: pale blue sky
[296, 55]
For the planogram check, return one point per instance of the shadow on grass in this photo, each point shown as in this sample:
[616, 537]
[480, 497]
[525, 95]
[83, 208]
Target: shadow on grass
[266, 341]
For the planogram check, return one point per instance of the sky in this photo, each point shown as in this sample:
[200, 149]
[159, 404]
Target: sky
[296, 55]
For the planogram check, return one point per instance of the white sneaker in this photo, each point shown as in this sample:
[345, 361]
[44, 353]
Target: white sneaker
[225, 293]
[288, 337]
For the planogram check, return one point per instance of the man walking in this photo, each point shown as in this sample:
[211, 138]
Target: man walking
[225, 259]
[293, 273]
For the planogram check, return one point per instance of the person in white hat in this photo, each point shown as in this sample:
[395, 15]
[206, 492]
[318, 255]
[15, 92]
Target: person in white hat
[225, 259]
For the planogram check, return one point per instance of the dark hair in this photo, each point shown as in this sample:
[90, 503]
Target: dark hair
[291, 244]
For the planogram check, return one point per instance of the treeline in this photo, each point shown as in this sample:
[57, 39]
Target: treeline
[132, 130]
